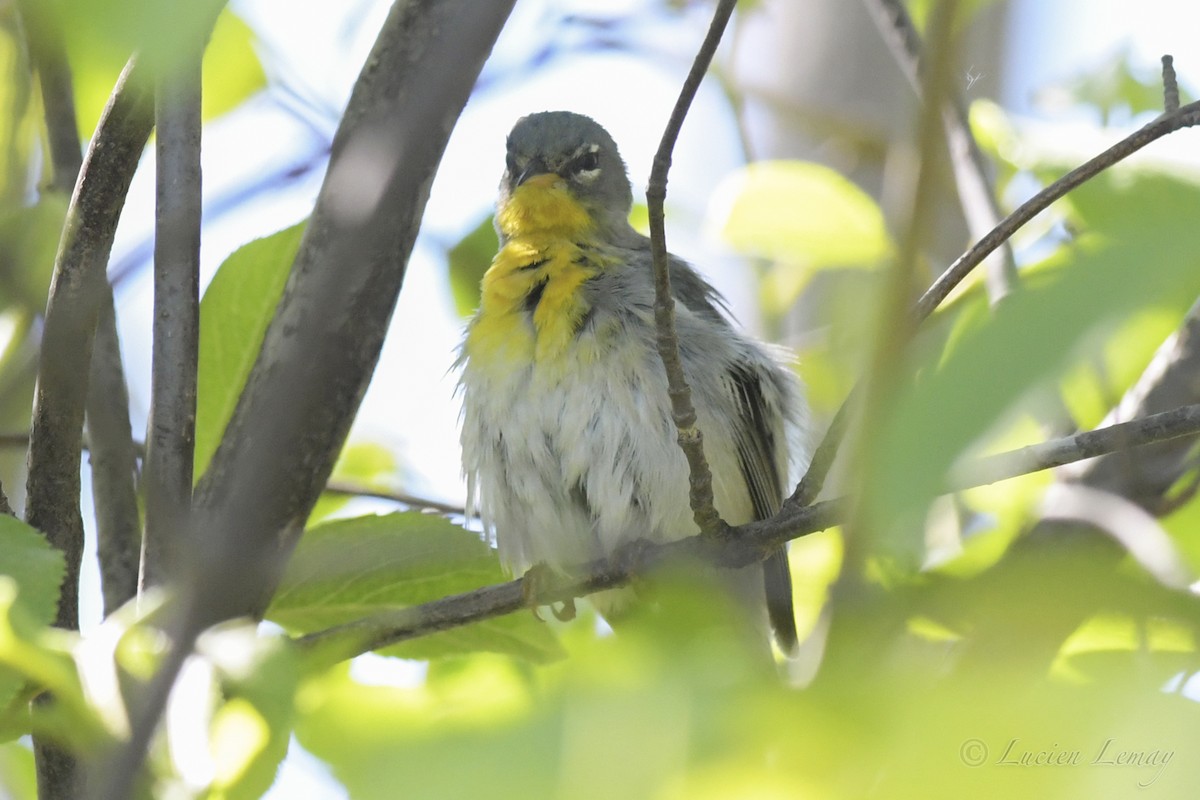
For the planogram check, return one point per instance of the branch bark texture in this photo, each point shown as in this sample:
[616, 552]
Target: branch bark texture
[691, 439]
[171, 434]
[320, 350]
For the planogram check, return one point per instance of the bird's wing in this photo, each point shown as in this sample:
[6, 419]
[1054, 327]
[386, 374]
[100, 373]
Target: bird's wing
[757, 443]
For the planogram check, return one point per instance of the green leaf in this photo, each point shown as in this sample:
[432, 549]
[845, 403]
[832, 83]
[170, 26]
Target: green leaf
[467, 261]
[1112, 87]
[360, 464]
[234, 314]
[1031, 338]
[36, 571]
[250, 730]
[28, 243]
[349, 569]
[105, 32]
[802, 216]
[231, 72]
[18, 779]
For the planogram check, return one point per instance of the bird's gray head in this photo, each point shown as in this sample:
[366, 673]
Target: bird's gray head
[578, 151]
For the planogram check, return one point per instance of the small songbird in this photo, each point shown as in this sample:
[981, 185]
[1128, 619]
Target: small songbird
[569, 447]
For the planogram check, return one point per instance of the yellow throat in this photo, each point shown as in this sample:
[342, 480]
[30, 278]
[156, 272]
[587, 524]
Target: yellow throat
[531, 306]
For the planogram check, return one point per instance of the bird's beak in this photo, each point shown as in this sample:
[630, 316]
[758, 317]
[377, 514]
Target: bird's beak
[535, 169]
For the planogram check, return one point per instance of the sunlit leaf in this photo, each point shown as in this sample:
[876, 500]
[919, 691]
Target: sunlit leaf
[237, 307]
[34, 571]
[18, 779]
[349, 569]
[106, 32]
[250, 730]
[802, 216]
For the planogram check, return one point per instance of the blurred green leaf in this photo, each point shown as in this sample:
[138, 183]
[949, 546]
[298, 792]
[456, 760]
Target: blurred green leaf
[362, 464]
[35, 572]
[1112, 87]
[29, 238]
[251, 728]
[802, 216]
[467, 261]
[1026, 341]
[104, 33]
[349, 569]
[18, 780]
[237, 307]
[919, 10]
[231, 72]
[20, 117]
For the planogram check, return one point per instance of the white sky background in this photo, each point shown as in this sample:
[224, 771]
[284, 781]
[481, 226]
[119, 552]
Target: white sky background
[320, 46]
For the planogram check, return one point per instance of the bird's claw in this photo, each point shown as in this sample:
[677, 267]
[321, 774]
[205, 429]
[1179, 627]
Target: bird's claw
[537, 579]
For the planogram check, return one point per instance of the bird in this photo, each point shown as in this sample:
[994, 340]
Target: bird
[568, 442]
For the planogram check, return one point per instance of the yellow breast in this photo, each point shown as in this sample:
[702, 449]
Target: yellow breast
[531, 305]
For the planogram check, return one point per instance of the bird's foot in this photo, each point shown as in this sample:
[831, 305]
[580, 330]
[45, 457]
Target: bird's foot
[539, 579]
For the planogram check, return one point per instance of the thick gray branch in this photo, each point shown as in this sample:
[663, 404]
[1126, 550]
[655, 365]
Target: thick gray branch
[321, 348]
[171, 431]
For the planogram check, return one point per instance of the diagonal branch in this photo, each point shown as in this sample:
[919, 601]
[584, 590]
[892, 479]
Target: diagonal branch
[749, 543]
[320, 350]
[1184, 117]
[691, 439]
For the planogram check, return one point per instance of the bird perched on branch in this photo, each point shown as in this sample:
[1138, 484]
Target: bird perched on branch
[569, 447]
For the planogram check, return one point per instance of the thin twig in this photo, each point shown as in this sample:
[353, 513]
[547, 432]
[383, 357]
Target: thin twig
[1117, 438]
[981, 209]
[691, 440]
[171, 431]
[413, 501]
[1170, 85]
[1184, 117]
[748, 543]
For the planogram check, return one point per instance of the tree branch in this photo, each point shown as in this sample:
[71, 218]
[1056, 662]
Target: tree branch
[107, 405]
[975, 191]
[893, 325]
[691, 439]
[1184, 117]
[320, 350]
[49, 57]
[746, 544]
[53, 483]
[112, 454]
[171, 431]
[75, 296]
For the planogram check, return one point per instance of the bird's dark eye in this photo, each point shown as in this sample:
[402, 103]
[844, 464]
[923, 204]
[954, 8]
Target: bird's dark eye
[585, 163]
[510, 162]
